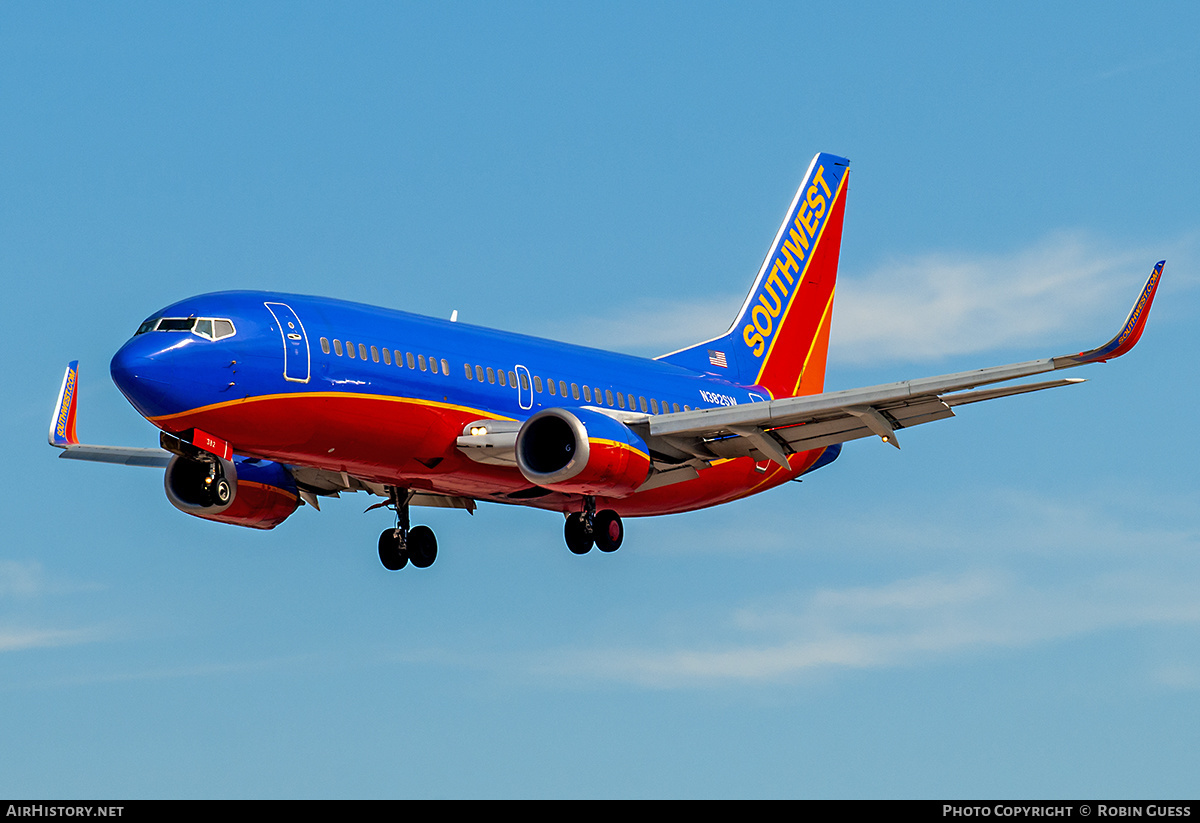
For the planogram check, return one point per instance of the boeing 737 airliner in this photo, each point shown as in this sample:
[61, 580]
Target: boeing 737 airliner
[269, 401]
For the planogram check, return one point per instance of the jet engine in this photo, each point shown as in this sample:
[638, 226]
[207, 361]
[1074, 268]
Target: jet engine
[582, 452]
[246, 491]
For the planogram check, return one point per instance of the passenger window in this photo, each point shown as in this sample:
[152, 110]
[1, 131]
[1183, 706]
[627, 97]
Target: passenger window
[620, 400]
[421, 361]
[362, 351]
[375, 353]
[587, 394]
[491, 375]
[479, 373]
[349, 349]
[608, 401]
[500, 377]
[562, 387]
[537, 384]
[653, 405]
[433, 364]
[337, 347]
[387, 357]
[445, 367]
[574, 391]
[325, 345]
[550, 385]
[525, 381]
[467, 369]
[642, 404]
[512, 378]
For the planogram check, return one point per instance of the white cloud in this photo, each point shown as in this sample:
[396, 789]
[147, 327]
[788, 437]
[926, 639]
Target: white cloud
[19, 579]
[1068, 287]
[651, 328]
[22, 582]
[1036, 571]
[941, 304]
[901, 623]
[17, 638]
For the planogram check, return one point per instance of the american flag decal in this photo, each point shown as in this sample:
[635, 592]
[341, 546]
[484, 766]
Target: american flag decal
[717, 358]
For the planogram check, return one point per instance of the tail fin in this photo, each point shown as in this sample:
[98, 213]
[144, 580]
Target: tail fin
[780, 339]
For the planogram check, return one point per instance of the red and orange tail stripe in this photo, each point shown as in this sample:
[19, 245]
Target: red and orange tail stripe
[784, 325]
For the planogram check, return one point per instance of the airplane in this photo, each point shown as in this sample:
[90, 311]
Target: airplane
[268, 401]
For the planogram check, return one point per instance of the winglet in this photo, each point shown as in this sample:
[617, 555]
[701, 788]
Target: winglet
[1130, 332]
[62, 424]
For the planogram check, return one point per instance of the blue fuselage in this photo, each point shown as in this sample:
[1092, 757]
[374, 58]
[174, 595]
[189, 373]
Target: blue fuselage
[383, 394]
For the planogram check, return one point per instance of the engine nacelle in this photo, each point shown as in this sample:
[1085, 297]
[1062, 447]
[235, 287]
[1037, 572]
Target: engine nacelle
[257, 493]
[579, 451]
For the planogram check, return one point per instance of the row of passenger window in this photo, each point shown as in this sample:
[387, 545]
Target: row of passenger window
[559, 388]
[495, 376]
[359, 351]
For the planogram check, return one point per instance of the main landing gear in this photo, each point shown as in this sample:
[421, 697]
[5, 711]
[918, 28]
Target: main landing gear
[602, 529]
[401, 545]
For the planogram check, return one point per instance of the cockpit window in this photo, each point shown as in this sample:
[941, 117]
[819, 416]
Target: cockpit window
[210, 328]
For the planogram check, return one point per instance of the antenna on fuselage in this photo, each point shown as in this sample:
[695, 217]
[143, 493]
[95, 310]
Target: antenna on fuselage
[454, 316]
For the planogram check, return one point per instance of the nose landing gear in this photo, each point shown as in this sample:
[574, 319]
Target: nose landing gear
[216, 486]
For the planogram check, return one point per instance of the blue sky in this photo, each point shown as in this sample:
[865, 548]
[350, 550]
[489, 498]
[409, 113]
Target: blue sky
[1006, 607]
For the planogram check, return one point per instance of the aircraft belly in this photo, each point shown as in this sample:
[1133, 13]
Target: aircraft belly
[410, 443]
[720, 483]
[393, 441]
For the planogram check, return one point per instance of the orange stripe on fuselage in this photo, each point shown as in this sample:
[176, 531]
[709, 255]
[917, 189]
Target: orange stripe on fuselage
[394, 441]
[616, 444]
[163, 419]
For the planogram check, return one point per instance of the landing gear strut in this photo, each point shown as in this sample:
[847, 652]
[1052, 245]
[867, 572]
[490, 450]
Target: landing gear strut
[217, 490]
[401, 544]
[602, 529]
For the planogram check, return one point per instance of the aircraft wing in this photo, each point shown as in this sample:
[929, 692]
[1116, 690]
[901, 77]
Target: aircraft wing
[313, 483]
[62, 432]
[776, 428]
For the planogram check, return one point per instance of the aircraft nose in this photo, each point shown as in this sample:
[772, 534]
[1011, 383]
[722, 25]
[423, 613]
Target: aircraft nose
[142, 371]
